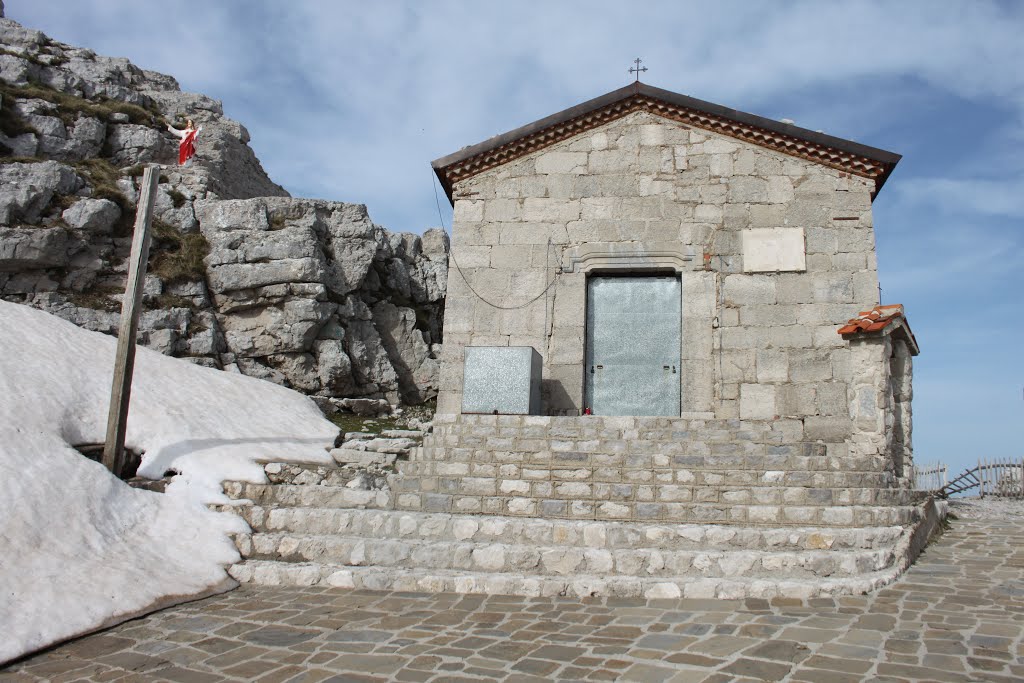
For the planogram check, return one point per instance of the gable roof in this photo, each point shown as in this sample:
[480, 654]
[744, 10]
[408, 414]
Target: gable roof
[845, 155]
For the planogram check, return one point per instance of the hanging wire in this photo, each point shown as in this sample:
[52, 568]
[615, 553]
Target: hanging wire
[451, 254]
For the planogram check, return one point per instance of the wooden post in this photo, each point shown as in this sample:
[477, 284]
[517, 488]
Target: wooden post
[121, 390]
[982, 473]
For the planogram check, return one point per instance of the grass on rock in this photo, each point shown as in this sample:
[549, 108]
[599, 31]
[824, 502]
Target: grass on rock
[375, 425]
[177, 257]
[70, 107]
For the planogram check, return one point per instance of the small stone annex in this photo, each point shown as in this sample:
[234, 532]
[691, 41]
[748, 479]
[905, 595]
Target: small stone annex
[666, 371]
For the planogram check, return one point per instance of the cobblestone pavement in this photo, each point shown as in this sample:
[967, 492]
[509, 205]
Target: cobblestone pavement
[957, 615]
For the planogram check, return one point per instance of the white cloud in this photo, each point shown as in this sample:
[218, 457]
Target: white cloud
[998, 197]
[948, 257]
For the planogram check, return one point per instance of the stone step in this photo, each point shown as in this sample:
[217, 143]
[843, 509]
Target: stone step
[272, 573]
[619, 427]
[339, 497]
[348, 456]
[636, 436]
[692, 445]
[547, 560]
[654, 492]
[555, 470]
[686, 447]
[796, 458]
[416, 526]
[697, 513]
[309, 496]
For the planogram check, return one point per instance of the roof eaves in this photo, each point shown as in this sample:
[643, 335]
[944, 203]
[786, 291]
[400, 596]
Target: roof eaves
[885, 160]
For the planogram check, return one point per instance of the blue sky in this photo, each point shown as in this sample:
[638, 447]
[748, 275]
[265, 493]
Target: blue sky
[351, 101]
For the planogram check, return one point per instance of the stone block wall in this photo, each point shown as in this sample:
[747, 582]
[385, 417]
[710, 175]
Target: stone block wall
[646, 194]
[707, 471]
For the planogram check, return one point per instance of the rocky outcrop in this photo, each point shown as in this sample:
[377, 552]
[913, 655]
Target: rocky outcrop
[303, 289]
[307, 293]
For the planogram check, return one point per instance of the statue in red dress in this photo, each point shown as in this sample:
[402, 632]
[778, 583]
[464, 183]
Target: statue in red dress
[187, 146]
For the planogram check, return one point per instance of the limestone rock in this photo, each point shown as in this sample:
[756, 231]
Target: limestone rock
[334, 368]
[32, 248]
[94, 215]
[417, 371]
[349, 456]
[663, 590]
[88, 318]
[297, 368]
[24, 145]
[290, 327]
[81, 140]
[396, 446]
[27, 188]
[365, 407]
[371, 365]
[431, 278]
[222, 151]
[134, 144]
[221, 216]
[196, 293]
[175, 208]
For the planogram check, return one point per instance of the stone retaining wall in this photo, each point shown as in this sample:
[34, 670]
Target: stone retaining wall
[650, 469]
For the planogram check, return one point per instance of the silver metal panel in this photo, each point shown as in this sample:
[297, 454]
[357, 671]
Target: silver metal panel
[633, 338]
[501, 379]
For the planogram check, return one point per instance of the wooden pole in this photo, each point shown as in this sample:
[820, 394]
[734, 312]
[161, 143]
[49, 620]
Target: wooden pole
[981, 471]
[981, 480]
[121, 390]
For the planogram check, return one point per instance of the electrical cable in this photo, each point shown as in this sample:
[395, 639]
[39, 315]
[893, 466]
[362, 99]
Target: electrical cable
[451, 254]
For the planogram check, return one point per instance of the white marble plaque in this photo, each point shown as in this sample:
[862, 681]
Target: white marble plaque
[773, 250]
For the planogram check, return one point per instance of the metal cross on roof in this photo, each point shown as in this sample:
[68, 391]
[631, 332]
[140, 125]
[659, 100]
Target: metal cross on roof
[637, 69]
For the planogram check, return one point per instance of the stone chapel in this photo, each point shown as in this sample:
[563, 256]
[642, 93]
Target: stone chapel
[666, 256]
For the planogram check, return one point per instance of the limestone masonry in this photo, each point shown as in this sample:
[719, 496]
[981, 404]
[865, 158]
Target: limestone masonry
[768, 231]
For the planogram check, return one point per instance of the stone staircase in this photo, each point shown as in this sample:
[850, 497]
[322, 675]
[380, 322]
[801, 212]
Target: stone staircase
[577, 506]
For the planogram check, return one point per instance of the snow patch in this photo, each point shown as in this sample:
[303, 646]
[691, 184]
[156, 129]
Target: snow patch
[81, 549]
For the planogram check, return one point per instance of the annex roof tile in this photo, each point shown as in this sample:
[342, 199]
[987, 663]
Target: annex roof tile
[881, 320]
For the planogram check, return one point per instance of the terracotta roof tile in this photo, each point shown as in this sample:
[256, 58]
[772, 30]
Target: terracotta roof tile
[877, 320]
[817, 147]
